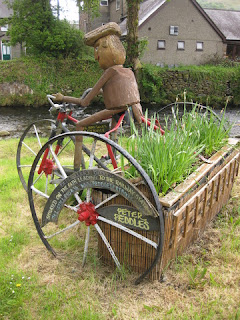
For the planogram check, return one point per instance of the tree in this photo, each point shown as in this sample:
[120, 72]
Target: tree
[133, 43]
[34, 25]
[132, 33]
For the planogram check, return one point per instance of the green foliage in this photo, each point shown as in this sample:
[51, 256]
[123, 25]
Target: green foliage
[236, 86]
[132, 34]
[151, 84]
[63, 41]
[168, 159]
[91, 7]
[197, 277]
[46, 75]
[15, 290]
[34, 26]
[214, 85]
[142, 46]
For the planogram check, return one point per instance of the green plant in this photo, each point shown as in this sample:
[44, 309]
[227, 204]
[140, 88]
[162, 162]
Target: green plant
[16, 288]
[34, 25]
[170, 158]
[212, 85]
[151, 84]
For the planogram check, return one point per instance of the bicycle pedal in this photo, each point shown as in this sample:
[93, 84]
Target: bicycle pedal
[106, 157]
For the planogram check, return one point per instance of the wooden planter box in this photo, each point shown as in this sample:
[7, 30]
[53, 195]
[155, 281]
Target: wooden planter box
[187, 211]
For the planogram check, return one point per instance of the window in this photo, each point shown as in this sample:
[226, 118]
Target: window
[4, 28]
[6, 51]
[181, 45]
[104, 3]
[161, 44]
[117, 4]
[199, 46]
[173, 30]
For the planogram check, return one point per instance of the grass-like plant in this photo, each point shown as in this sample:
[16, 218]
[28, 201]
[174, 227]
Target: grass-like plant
[168, 159]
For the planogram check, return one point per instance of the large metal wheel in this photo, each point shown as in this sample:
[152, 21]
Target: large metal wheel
[57, 219]
[31, 141]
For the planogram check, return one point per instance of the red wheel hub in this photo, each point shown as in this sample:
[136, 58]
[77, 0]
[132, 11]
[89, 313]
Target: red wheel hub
[87, 213]
[48, 166]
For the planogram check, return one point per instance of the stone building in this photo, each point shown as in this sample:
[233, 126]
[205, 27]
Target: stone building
[7, 52]
[179, 32]
[228, 21]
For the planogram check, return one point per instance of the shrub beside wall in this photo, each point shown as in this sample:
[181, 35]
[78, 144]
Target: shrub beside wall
[210, 85]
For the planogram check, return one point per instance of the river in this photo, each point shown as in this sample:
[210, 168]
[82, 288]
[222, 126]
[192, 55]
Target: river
[15, 120]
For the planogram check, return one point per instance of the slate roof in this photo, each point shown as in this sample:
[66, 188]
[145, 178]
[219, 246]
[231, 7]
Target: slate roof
[149, 7]
[227, 21]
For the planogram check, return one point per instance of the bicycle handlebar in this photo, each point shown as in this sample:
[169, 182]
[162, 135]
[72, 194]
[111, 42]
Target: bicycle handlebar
[51, 97]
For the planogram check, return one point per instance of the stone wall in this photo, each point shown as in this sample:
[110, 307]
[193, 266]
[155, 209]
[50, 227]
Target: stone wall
[213, 86]
[15, 88]
[207, 87]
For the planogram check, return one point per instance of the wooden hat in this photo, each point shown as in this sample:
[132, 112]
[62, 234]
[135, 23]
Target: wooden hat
[107, 29]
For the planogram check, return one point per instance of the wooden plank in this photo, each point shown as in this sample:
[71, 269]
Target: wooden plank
[218, 187]
[172, 197]
[101, 127]
[186, 221]
[229, 174]
[212, 194]
[199, 193]
[224, 180]
[175, 231]
[205, 201]
[129, 217]
[196, 211]
[234, 170]
[238, 160]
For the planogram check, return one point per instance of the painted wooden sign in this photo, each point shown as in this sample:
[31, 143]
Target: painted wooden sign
[129, 217]
[96, 179]
[100, 128]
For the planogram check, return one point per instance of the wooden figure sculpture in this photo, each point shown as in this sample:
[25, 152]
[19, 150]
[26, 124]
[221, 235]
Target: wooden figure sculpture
[118, 84]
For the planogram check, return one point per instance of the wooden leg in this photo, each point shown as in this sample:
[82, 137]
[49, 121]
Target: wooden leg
[78, 150]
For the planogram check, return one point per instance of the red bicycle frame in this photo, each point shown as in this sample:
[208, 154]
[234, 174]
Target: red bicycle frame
[47, 165]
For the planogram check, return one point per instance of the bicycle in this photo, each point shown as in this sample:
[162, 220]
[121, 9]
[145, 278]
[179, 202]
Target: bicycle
[92, 195]
[54, 165]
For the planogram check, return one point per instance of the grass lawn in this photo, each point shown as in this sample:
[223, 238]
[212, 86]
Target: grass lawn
[204, 283]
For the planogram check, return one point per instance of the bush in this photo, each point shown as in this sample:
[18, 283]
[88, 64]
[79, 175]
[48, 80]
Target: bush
[209, 85]
[34, 26]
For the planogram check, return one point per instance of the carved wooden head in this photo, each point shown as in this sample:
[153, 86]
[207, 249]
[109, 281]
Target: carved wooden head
[109, 51]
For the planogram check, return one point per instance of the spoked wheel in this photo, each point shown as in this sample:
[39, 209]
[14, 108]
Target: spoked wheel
[75, 206]
[31, 141]
[175, 111]
[55, 163]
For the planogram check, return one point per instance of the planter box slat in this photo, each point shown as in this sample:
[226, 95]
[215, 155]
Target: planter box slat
[206, 170]
[186, 214]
